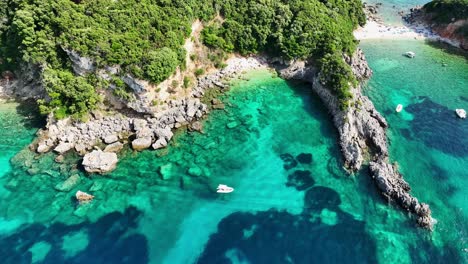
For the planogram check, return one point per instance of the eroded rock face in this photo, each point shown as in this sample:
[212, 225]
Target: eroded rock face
[25, 84]
[100, 162]
[81, 65]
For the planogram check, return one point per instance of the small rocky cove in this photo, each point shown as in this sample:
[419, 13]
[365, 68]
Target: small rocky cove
[106, 133]
[361, 128]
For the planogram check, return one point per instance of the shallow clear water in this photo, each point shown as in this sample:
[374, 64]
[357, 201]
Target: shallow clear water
[427, 139]
[279, 212]
[389, 9]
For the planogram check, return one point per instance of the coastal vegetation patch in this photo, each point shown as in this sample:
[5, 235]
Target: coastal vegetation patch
[145, 38]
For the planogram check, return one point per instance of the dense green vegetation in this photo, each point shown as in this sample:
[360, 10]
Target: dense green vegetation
[294, 29]
[443, 11]
[145, 38]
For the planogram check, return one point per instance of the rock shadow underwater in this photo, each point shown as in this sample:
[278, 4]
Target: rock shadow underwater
[280, 237]
[105, 241]
[438, 127]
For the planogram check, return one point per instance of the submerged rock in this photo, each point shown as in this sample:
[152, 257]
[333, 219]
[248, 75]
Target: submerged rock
[165, 171]
[304, 158]
[195, 171]
[232, 124]
[68, 184]
[301, 180]
[100, 162]
[288, 161]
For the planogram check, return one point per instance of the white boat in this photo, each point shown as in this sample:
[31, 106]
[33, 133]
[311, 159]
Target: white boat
[399, 108]
[410, 54]
[224, 189]
[461, 113]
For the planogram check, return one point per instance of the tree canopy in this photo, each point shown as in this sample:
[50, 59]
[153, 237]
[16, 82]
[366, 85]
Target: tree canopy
[145, 37]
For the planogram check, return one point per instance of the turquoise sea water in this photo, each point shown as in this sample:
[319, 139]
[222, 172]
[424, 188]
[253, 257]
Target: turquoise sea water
[287, 207]
[388, 10]
[292, 201]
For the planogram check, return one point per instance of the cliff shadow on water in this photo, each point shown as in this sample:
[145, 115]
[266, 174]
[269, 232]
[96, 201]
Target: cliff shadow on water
[32, 119]
[447, 48]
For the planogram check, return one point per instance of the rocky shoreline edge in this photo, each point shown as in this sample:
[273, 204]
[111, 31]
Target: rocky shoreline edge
[100, 138]
[362, 131]
[417, 20]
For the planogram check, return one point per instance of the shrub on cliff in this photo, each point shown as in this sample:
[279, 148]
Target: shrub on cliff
[69, 94]
[161, 64]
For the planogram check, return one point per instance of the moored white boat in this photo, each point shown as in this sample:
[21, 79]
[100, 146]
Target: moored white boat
[410, 54]
[399, 108]
[224, 189]
[461, 113]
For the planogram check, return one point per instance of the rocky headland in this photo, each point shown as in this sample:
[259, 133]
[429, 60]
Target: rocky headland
[362, 132]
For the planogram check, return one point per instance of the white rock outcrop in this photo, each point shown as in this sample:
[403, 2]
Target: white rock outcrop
[100, 162]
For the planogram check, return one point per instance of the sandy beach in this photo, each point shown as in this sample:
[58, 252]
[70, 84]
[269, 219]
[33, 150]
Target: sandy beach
[376, 30]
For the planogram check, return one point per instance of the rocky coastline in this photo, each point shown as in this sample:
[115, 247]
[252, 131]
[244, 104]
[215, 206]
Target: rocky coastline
[362, 132]
[106, 133]
[419, 20]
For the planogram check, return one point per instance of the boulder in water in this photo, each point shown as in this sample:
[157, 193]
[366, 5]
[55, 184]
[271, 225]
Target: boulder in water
[160, 143]
[100, 162]
[114, 147]
[83, 197]
[63, 147]
[68, 184]
[141, 143]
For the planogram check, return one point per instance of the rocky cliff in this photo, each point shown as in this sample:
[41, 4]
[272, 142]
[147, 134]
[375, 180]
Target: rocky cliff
[362, 132]
[24, 84]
